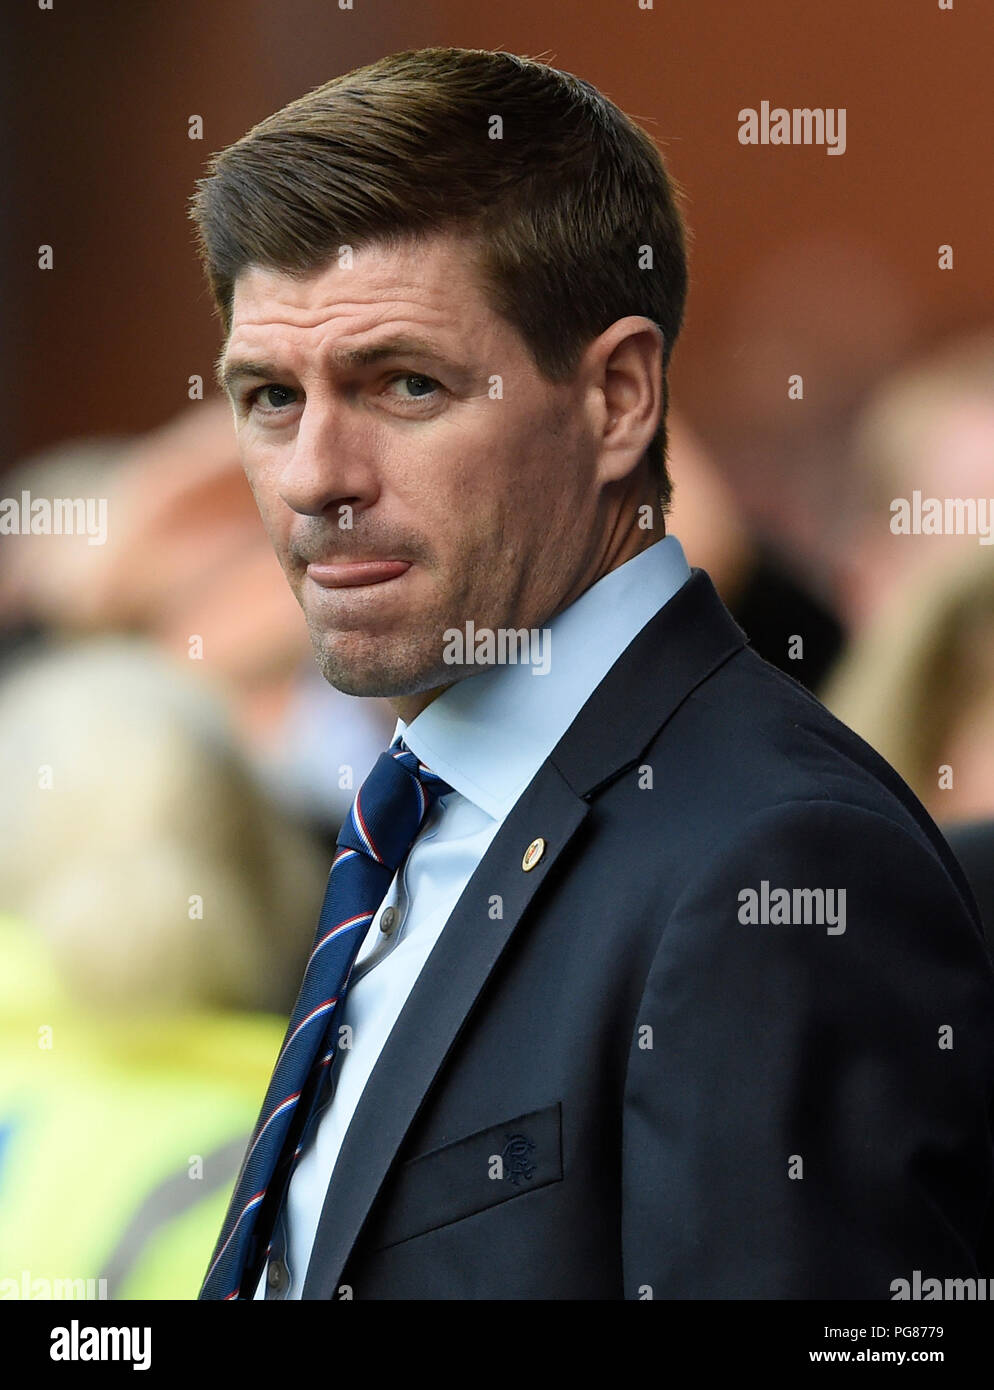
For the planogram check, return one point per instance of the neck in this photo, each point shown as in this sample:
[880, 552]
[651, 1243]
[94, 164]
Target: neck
[408, 707]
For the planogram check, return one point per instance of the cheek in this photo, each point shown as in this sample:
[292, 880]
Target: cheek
[525, 455]
[275, 516]
[253, 468]
[260, 474]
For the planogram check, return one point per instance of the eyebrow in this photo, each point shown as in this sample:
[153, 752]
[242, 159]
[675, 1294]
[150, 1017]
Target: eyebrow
[228, 373]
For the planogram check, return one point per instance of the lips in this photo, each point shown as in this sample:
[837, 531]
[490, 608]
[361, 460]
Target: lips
[353, 573]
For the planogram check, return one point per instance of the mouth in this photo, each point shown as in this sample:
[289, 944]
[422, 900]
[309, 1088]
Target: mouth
[356, 573]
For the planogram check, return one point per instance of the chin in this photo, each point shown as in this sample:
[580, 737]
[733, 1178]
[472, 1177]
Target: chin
[377, 668]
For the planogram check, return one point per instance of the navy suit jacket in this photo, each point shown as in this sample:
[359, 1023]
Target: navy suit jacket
[609, 1083]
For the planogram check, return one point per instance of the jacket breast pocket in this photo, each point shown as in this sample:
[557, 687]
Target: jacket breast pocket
[470, 1174]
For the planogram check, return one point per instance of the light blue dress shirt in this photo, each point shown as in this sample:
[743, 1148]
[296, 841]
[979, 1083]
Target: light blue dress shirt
[487, 736]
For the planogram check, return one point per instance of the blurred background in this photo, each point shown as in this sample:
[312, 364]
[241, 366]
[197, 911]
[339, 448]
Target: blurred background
[838, 353]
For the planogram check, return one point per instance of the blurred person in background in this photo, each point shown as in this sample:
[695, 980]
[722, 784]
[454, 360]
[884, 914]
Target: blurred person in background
[46, 580]
[156, 911]
[918, 685]
[918, 680]
[807, 331]
[770, 597]
[927, 428]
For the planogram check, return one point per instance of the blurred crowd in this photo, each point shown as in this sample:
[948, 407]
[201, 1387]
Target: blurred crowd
[176, 770]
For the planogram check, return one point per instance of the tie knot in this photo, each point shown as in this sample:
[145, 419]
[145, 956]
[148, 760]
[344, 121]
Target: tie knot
[390, 806]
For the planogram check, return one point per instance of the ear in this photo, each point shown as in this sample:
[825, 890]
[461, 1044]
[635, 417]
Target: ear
[624, 368]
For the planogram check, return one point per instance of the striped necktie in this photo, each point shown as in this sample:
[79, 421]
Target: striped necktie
[378, 832]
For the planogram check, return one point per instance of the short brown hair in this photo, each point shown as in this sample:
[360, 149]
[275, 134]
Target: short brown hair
[573, 214]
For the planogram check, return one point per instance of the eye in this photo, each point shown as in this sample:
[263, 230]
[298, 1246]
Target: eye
[424, 386]
[252, 398]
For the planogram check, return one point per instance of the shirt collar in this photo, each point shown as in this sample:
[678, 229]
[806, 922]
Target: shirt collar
[488, 734]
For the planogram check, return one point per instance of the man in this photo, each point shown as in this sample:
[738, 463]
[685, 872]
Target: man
[667, 986]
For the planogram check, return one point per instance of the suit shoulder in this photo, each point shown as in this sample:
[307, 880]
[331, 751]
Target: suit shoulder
[769, 740]
[749, 740]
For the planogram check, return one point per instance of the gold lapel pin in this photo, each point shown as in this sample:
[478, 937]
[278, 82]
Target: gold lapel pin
[533, 854]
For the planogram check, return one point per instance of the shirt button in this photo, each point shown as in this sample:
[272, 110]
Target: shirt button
[278, 1275]
[389, 919]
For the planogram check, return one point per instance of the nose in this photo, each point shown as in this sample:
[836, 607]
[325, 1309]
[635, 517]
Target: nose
[330, 462]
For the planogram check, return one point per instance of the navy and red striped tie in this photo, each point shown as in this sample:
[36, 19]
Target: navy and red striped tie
[385, 818]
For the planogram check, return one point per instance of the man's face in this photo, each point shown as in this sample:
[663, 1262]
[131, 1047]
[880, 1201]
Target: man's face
[407, 494]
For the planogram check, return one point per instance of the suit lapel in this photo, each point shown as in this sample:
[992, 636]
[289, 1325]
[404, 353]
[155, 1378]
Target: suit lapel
[689, 638]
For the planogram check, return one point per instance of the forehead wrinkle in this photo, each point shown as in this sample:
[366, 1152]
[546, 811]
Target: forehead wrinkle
[388, 324]
[325, 316]
[319, 315]
[387, 282]
[381, 304]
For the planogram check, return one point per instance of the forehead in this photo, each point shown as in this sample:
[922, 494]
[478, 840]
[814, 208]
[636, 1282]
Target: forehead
[432, 282]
